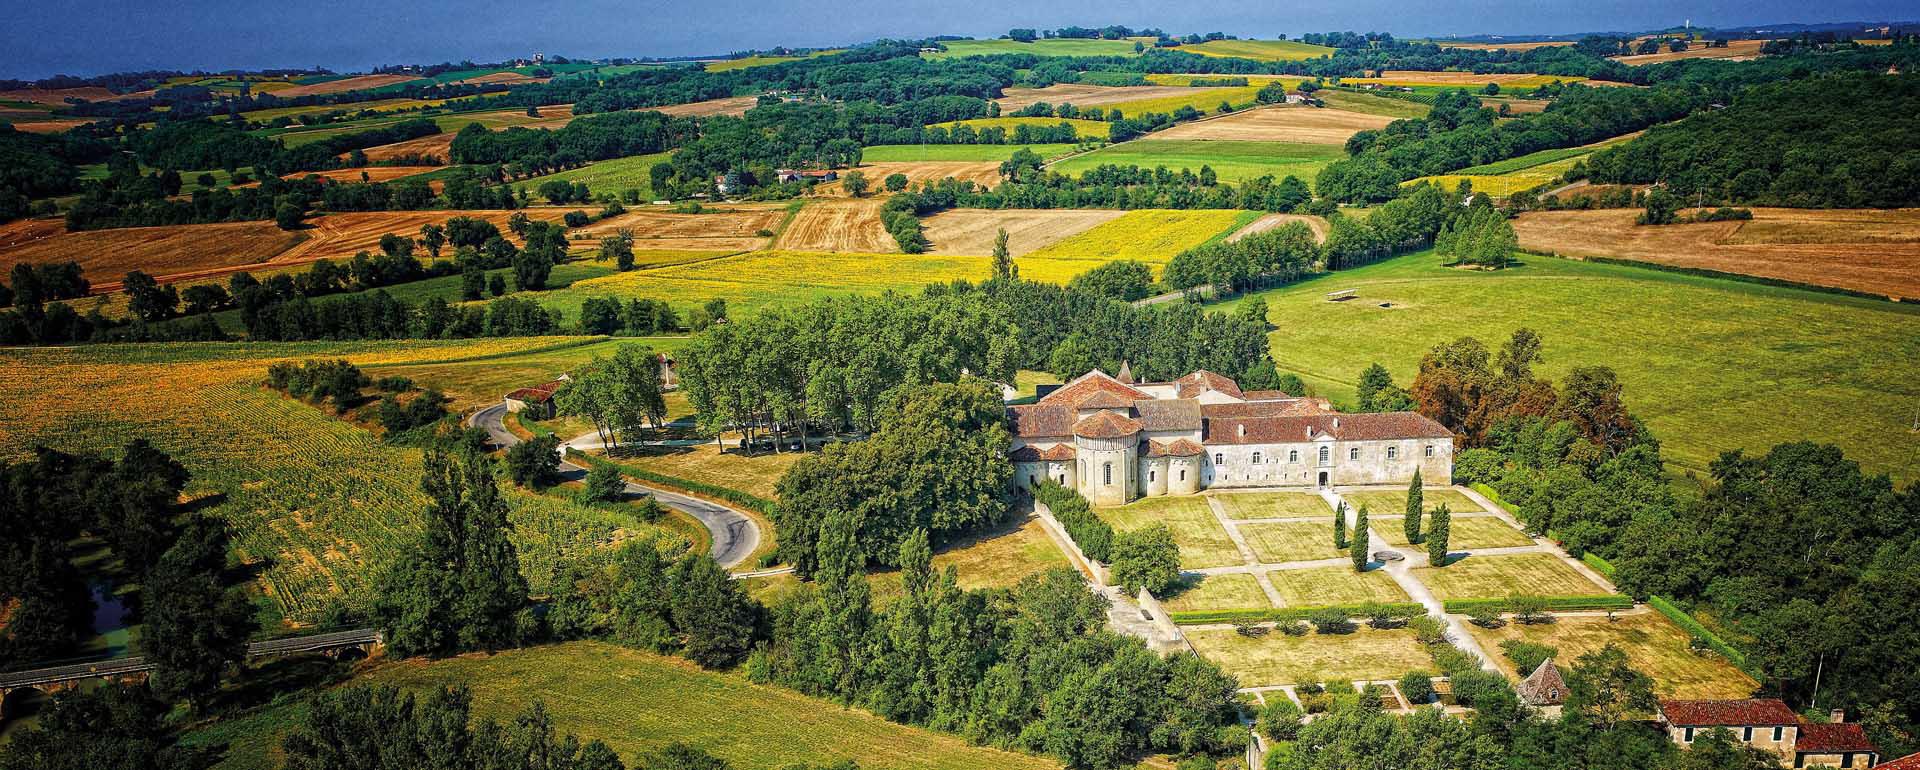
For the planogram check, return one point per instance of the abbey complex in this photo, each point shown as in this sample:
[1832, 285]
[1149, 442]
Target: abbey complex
[1114, 440]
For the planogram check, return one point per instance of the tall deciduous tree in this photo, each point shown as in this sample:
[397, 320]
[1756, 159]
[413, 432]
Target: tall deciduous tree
[459, 587]
[196, 624]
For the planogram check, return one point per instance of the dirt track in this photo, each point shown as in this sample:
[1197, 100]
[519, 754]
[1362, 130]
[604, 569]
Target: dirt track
[1308, 125]
[1863, 250]
[838, 224]
[972, 231]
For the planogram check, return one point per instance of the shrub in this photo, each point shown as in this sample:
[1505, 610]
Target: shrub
[1526, 656]
[1251, 630]
[394, 384]
[1331, 620]
[1293, 628]
[1529, 610]
[535, 464]
[1280, 720]
[1147, 558]
[337, 382]
[1486, 616]
[1429, 629]
[604, 485]
[1382, 616]
[1417, 687]
[1095, 537]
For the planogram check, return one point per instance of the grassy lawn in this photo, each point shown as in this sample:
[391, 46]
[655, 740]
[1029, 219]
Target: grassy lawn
[1370, 104]
[608, 176]
[1203, 543]
[1653, 644]
[996, 559]
[920, 153]
[1272, 505]
[1467, 534]
[1274, 659]
[1288, 541]
[1678, 377]
[1334, 585]
[756, 474]
[1395, 501]
[484, 381]
[1232, 161]
[638, 702]
[1217, 592]
[1493, 577]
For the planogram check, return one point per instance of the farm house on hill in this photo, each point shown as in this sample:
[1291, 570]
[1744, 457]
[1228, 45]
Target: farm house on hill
[801, 175]
[1769, 725]
[538, 398]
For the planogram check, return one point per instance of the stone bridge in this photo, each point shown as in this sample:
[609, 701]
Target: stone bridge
[134, 669]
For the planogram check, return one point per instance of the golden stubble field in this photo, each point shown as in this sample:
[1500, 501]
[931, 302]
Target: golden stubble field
[982, 173]
[1868, 250]
[972, 231]
[1082, 95]
[838, 224]
[1305, 125]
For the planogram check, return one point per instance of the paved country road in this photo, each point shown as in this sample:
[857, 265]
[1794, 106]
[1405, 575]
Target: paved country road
[734, 534]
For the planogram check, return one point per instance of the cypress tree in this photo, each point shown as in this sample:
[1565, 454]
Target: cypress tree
[1437, 535]
[1415, 504]
[1359, 549]
[1340, 526]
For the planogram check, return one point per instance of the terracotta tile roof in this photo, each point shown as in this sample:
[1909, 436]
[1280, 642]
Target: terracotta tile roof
[1265, 395]
[1041, 420]
[1543, 687]
[1025, 454]
[1106, 425]
[1759, 712]
[1058, 452]
[1185, 448]
[1083, 387]
[538, 394]
[1908, 762]
[1832, 739]
[1202, 381]
[1287, 408]
[1344, 427]
[1169, 414]
[1105, 399]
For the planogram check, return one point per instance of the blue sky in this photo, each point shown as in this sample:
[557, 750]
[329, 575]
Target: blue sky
[87, 37]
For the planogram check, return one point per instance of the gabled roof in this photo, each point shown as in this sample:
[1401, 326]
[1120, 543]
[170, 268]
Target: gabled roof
[1025, 454]
[1105, 399]
[1757, 712]
[1265, 395]
[1833, 739]
[1184, 448]
[1086, 385]
[1543, 687]
[1286, 408]
[1058, 452]
[1343, 427]
[1169, 414]
[538, 394]
[1106, 425]
[1908, 762]
[1041, 420]
[1201, 381]
[1034, 454]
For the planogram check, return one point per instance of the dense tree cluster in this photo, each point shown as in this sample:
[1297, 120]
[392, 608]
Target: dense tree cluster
[1281, 255]
[531, 152]
[117, 727]
[36, 166]
[383, 728]
[1845, 141]
[1481, 237]
[621, 395]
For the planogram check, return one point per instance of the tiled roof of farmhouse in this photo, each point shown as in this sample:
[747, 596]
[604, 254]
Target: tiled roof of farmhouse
[1543, 687]
[1169, 414]
[1343, 427]
[1202, 381]
[1908, 762]
[1179, 447]
[1034, 454]
[1106, 425]
[1041, 420]
[1289, 408]
[537, 394]
[1832, 739]
[1058, 452]
[1265, 395]
[1086, 385]
[1105, 399]
[1758, 712]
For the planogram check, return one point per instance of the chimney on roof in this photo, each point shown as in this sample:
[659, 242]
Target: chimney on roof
[1336, 422]
[1837, 716]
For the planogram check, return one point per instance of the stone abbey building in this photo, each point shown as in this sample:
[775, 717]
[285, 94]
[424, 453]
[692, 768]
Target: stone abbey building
[1115, 440]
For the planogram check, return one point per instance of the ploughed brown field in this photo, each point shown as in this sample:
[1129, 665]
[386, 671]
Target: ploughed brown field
[54, 126]
[733, 228]
[1271, 221]
[982, 173]
[343, 86]
[732, 105]
[972, 231]
[838, 224]
[1306, 125]
[1082, 95]
[1868, 250]
[1736, 50]
[105, 256]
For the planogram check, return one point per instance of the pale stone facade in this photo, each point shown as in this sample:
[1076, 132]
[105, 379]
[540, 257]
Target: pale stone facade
[1115, 441]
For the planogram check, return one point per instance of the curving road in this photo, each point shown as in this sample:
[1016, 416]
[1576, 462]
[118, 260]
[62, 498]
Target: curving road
[734, 534]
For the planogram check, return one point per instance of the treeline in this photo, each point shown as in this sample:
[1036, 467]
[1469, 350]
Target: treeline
[41, 166]
[1110, 187]
[531, 152]
[1842, 141]
[186, 145]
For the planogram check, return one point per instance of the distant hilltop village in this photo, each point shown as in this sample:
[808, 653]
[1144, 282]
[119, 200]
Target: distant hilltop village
[1115, 440]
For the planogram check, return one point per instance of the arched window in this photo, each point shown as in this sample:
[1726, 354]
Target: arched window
[1106, 472]
[1152, 475]
[1256, 458]
[1393, 452]
[1219, 459]
[1429, 450]
[1183, 474]
[1293, 455]
[1324, 456]
[1354, 453]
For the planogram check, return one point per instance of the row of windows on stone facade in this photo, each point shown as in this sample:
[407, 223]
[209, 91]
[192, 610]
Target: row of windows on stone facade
[1293, 455]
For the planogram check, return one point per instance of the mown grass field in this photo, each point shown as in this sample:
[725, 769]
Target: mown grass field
[1504, 178]
[1152, 236]
[1654, 647]
[1465, 534]
[1053, 47]
[1285, 541]
[480, 381]
[1749, 367]
[638, 702]
[1261, 50]
[316, 502]
[1232, 161]
[761, 61]
[1320, 586]
[615, 176]
[1203, 543]
[996, 559]
[1272, 505]
[706, 463]
[1385, 106]
[1274, 659]
[1495, 577]
[919, 153]
[1389, 501]
[1235, 591]
[1085, 129]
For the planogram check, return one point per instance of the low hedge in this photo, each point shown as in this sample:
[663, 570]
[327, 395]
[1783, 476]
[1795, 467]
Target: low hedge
[1598, 564]
[1552, 603]
[1698, 630]
[1094, 536]
[735, 496]
[1400, 610]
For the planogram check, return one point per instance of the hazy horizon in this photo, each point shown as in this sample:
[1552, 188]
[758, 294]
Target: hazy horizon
[218, 35]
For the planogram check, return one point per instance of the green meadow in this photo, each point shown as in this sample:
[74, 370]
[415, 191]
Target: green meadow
[1709, 364]
[634, 172]
[1054, 47]
[919, 153]
[1233, 161]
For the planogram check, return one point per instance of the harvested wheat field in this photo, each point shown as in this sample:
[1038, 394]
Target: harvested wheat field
[971, 231]
[1303, 125]
[1866, 250]
[513, 78]
[1736, 50]
[982, 173]
[838, 224]
[732, 105]
[53, 126]
[1081, 95]
[1421, 77]
[735, 228]
[107, 255]
[342, 86]
[372, 174]
[1271, 221]
[438, 145]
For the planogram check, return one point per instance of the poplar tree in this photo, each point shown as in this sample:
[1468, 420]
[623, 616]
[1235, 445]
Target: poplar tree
[1415, 505]
[1437, 536]
[1358, 549]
